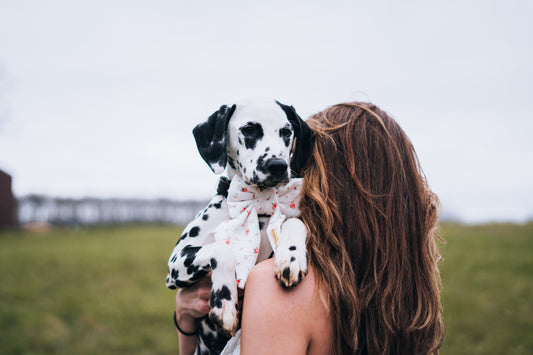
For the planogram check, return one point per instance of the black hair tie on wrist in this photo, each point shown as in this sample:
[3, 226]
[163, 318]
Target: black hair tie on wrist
[180, 330]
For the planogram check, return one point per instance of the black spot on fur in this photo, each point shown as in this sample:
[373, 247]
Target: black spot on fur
[213, 319]
[193, 270]
[286, 273]
[205, 217]
[187, 262]
[182, 284]
[252, 132]
[231, 162]
[292, 259]
[267, 149]
[189, 253]
[255, 179]
[183, 236]
[213, 263]
[194, 231]
[217, 342]
[220, 341]
[214, 340]
[174, 258]
[217, 205]
[217, 296]
[286, 134]
[197, 275]
[262, 164]
[292, 248]
[222, 187]
[209, 324]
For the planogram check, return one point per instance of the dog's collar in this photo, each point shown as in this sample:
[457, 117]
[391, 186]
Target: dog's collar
[223, 186]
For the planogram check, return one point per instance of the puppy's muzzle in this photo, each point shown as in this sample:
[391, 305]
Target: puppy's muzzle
[277, 167]
[276, 171]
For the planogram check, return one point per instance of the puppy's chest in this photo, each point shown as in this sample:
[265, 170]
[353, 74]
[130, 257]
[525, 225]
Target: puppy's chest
[265, 249]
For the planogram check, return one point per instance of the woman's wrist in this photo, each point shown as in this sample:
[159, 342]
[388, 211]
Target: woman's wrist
[185, 322]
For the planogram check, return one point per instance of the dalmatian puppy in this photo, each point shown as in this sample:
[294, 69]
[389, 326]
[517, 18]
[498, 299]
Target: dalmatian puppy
[262, 145]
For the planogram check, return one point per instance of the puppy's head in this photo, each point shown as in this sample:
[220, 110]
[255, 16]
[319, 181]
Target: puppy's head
[255, 139]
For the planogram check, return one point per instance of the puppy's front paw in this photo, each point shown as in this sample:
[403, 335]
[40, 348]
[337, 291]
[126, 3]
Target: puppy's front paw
[224, 309]
[291, 265]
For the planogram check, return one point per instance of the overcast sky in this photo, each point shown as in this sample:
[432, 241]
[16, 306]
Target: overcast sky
[98, 98]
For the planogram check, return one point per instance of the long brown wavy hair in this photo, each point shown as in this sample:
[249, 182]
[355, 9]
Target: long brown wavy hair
[372, 224]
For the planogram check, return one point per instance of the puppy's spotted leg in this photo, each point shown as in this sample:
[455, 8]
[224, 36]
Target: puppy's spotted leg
[291, 256]
[223, 298]
[218, 258]
[183, 268]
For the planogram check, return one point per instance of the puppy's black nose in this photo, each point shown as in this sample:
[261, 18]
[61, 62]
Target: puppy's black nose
[276, 166]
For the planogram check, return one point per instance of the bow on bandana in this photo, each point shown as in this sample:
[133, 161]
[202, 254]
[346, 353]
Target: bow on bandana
[241, 233]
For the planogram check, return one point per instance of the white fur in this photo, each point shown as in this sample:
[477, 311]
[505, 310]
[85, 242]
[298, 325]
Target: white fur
[272, 118]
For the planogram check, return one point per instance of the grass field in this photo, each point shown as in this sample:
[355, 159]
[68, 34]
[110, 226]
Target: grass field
[101, 290]
[487, 279]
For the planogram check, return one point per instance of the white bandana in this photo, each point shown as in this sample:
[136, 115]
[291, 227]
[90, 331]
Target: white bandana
[242, 231]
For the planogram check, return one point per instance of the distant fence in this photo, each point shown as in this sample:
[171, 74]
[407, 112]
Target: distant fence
[90, 211]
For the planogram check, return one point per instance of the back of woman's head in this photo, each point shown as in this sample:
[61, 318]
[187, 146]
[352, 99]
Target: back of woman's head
[372, 227]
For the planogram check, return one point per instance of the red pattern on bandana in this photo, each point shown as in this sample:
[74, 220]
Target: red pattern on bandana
[245, 202]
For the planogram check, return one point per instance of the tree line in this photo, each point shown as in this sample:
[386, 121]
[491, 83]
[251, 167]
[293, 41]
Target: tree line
[93, 211]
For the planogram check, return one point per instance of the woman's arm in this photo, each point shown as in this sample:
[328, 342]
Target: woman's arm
[192, 303]
[276, 320]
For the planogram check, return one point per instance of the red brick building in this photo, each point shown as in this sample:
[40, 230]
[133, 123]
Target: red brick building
[7, 202]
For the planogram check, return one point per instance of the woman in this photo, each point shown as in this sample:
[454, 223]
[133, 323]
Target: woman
[373, 286]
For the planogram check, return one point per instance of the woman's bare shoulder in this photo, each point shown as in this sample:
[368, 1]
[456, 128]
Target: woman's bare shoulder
[262, 279]
[289, 317]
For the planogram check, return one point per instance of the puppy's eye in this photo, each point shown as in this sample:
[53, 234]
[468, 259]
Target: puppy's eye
[248, 130]
[285, 132]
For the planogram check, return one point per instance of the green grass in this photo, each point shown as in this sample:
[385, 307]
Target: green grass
[94, 291]
[487, 295]
[101, 290]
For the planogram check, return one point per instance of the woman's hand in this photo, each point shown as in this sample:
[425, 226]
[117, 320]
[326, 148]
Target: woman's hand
[192, 303]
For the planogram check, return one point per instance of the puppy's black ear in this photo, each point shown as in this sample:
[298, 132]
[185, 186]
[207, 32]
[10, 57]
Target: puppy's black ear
[212, 136]
[302, 134]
